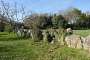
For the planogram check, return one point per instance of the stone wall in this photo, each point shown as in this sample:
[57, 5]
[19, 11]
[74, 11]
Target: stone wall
[53, 36]
[77, 41]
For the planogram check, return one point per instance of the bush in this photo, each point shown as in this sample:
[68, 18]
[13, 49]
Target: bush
[8, 28]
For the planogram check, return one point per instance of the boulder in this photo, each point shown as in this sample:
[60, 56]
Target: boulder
[87, 43]
[69, 31]
[44, 36]
[74, 41]
[18, 33]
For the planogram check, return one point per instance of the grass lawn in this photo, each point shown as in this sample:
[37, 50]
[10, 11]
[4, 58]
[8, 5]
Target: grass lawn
[83, 33]
[12, 48]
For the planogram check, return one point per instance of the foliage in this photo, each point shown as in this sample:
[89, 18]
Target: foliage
[8, 28]
[2, 26]
[37, 21]
[58, 21]
[73, 18]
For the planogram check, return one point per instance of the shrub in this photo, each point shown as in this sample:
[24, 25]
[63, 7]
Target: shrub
[8, 28]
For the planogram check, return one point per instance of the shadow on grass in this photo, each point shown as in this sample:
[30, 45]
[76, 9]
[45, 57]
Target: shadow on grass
[12, 39]
[6, 48]
[4, 34]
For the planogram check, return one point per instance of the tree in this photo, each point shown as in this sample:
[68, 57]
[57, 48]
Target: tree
[58, 21]
[3, 22]
[6, 11]
[12, 13]
[38, 21]
[72, 16]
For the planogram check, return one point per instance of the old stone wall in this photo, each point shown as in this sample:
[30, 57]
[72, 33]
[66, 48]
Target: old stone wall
[77, 41]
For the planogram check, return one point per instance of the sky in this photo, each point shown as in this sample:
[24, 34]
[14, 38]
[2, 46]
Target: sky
[47, 6]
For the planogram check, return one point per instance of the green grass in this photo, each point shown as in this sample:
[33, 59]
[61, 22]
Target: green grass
[5, 36]
[26, 49]
[83, 33]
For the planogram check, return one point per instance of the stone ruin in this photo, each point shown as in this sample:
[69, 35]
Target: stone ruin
[53, 35]
[77, 41]
[74, 41]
